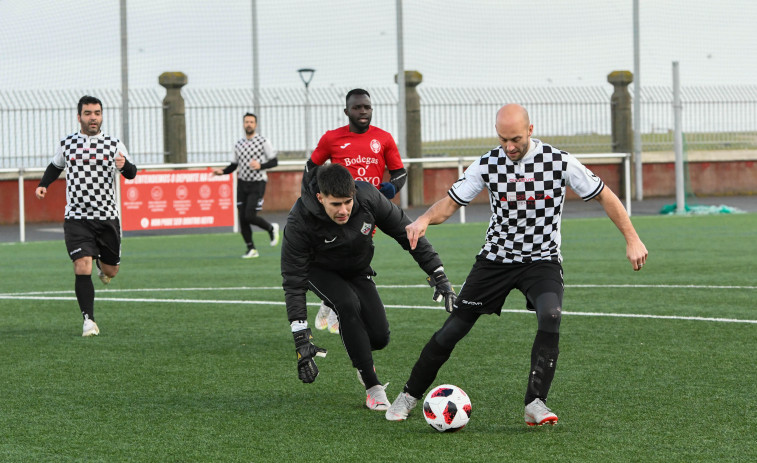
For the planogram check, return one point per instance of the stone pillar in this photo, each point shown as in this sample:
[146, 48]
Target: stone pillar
[174, 120]
[413, 136]
[620, 110]
[621, 117]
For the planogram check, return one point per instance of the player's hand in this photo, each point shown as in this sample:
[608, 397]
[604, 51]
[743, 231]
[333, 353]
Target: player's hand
[636, 253]
[416, 231]
[218, 171]
[306, 350]
[40, 192]
[442, 289]
[120, 161]
[388, 190]
[255, 164]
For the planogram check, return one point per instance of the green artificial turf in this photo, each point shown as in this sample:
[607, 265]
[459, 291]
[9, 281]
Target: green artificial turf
[195, 361]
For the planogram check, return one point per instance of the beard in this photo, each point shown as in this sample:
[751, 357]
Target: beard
[90, 129]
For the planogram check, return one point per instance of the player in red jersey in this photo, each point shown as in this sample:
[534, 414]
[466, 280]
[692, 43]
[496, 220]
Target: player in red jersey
[366, 151]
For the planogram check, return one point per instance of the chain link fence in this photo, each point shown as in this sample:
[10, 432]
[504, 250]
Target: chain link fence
[454, 121]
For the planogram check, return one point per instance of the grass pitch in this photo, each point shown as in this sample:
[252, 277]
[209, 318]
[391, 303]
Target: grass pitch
[195, 361]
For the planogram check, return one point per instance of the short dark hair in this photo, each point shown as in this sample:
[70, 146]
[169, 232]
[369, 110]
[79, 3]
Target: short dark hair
[335, 180]
[86, 99]
[250, 115]
[355, 91]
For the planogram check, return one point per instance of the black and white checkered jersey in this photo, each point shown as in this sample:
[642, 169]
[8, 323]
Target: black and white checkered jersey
[90, 167]
[526, 199]
[247, 149]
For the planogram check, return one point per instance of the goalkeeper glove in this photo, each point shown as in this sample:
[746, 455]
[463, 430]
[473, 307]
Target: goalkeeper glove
[306, 350]
[442, 289]
[387, 189]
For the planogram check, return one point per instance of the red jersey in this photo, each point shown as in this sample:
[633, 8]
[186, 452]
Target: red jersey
[365, 155]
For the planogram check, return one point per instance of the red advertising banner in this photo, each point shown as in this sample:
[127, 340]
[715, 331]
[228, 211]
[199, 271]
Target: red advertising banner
[159, 200]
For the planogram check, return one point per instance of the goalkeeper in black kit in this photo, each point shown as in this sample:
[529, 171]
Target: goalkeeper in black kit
[328, 248]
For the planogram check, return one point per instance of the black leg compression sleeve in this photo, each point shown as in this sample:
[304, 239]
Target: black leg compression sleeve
[544, 355]
[548, 306]
[437, 351]
[85, 295]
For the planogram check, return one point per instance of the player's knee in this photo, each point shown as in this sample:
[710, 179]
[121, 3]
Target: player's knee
[548, 307]
[453, 330]
[378, 343]
[549, 318]
[83, 266]
[111, 270]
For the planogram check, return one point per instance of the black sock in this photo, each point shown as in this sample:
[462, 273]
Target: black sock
[85, 295]
[544, 355]
[369, 376]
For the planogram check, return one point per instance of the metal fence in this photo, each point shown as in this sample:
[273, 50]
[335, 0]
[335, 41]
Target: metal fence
[460, 162]
[454, 121]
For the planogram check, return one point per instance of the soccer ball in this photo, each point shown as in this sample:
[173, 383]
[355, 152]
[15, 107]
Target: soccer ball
[447, 408]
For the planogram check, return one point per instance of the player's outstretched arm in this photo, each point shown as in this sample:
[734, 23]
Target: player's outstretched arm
[51, 174]
[436, 214]
[636, 252]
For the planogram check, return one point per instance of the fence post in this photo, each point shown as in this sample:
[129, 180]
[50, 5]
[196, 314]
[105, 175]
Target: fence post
[174, 121]
[413, 134]
[621, 117]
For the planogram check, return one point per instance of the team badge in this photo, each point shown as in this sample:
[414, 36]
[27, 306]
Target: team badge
[366, 228]
[375, 146]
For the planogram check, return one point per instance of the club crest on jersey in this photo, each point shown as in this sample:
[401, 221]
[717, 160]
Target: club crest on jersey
[366, 228]
[375, 146]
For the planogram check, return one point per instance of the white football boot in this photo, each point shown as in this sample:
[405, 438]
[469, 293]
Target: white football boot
[102, 276]
[401, 407]
[252, 253]
[90, 328]
[376, 399]
[333, 323]
[275, 234]
[537, 414]
[322, 318]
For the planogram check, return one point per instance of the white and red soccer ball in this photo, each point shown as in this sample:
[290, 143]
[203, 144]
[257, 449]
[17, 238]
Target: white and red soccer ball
[447, 408]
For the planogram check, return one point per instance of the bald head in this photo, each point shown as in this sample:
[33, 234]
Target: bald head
[514, 130]
[512, 114]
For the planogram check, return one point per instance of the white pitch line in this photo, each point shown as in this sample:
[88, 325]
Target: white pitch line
[664, 286]
[263, 288]
[233, 288]
[314, 304]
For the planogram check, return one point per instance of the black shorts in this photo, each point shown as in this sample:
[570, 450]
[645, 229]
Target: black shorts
[100, 239]
[250, 195]
[488, 284]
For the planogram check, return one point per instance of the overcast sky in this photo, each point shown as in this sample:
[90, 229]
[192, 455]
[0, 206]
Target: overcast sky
[49, 44]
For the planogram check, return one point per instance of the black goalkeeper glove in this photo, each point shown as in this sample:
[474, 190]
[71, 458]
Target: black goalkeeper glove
[306, 350]
[442, 289]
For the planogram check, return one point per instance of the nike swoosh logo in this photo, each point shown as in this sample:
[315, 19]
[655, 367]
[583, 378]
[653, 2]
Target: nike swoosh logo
[329, 241]
[345, 145]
